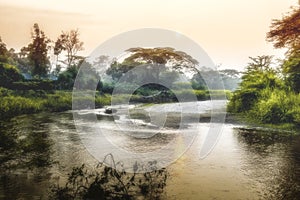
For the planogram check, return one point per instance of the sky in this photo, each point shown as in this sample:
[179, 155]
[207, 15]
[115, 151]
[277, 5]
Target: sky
[229, 31]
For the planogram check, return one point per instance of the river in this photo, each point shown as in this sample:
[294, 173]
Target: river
[41, 149]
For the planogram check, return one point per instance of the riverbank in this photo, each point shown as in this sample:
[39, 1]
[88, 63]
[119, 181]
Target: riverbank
[14, 103]
[17, 102]
[253, 125]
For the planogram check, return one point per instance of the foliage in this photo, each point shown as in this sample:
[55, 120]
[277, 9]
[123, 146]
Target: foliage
[9, 74]
[66, 79]
[15, 103]
[291, 71]
[87, 78]
[198, 83]
[69, 41]
[285, 32]
[266, 95]
[258, 76]
[37, 52]
[263, 97]
[107, 87]
[272, 107]
[156, 59]
[3, 52]
[42, 84]
[231, 78]
[108, 183]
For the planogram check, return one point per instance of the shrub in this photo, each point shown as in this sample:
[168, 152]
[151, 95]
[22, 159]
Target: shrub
[276, 106]
[201, 94]
[9, 74]
[107, 88]
[33, 85]
[108, 183]
[243, 100]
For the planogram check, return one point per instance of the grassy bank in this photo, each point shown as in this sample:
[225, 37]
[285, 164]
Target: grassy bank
[269, 108]
[17, 102]
[14, 103]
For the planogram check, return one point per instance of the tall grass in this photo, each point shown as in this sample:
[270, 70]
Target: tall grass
[14, 103]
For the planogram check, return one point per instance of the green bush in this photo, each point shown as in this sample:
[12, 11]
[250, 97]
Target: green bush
[273, 109]
[33, 85]
[276, 107]
[243, 100]
[5, 92]
[107, 88]
[201, 94]
[9, 74]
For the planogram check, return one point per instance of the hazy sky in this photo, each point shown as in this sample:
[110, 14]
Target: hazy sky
[229, 31]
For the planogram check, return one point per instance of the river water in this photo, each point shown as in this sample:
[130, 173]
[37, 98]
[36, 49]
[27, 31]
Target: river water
[41, 149]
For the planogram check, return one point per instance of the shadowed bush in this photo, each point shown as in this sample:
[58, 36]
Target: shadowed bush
[108, 183]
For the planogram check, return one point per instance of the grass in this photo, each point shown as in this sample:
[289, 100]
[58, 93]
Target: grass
[282, 129]
[15, 103]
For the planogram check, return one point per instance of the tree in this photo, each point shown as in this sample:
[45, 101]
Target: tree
[69, 42]
[258, 76]
[66, 78]
[285, 32]
[3, 52]
[101, 61]
[231, 78]
[291, 70]
[159, 60]
[37, 52]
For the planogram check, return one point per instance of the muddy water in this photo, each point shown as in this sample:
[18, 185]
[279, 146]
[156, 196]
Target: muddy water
[38, 150]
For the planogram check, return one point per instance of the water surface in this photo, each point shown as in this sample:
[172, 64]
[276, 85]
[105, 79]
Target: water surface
[39, 150]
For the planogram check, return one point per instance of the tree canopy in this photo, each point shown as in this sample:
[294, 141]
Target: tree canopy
[285, 32]
[69, 41]
[37, 52]
[159, 60]
[3, 51]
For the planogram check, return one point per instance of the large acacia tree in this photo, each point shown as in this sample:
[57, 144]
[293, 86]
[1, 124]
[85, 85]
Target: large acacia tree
[159, 60]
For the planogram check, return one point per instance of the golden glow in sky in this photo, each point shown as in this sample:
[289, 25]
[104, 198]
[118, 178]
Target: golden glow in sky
[229, 31]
